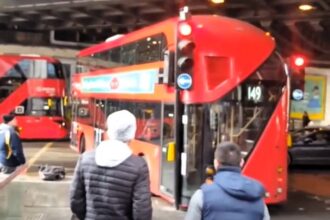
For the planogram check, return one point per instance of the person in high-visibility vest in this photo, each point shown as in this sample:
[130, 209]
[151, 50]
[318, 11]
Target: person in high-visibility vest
[11, 149]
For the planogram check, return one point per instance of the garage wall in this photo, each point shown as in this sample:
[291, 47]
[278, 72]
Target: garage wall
[43, 51]
[322, 72]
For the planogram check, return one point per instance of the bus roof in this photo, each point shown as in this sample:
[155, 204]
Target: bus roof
[166, 27]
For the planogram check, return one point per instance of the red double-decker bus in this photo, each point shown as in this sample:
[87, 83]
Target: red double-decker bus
[233, 87]
[33, 88]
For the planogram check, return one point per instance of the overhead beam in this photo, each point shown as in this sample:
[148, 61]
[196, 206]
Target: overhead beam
[296, 17]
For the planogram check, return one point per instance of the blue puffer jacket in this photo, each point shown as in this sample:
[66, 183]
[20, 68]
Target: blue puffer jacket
[16, 156]
[233, 196]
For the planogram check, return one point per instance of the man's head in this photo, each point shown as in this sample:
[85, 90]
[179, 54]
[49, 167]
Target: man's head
[121, 126]
[10, 120]
[227, 154]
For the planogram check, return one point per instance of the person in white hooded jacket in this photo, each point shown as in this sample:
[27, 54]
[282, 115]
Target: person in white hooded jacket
[110, 182]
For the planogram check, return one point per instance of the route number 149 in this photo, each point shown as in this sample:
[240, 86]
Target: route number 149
[254, 93]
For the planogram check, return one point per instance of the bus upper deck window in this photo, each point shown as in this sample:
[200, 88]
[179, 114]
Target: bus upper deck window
[51, 72]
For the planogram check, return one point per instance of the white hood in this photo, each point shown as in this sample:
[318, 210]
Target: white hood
[121, 126]
[111, 153]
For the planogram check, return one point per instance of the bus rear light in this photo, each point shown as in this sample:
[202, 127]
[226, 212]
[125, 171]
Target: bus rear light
[280, 180]
[267, 195]
[185, 29]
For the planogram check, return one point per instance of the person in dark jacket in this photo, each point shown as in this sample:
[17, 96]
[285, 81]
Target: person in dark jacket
[11, 149]
[305, 119]
[110, 182]
[231, 196]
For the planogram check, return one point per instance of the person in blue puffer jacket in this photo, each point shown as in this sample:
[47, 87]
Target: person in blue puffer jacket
[11, 149]
[231, 196]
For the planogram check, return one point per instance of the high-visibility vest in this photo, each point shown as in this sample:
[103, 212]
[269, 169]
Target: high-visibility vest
[8, 144]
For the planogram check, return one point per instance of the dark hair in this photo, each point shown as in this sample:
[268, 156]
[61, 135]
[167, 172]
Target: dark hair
[7, 118]
[315, 88]
[228, 154]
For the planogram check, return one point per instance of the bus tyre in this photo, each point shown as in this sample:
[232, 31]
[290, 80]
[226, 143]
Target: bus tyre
[82, 144]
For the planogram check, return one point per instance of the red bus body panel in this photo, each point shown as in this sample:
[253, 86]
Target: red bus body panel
[237, 59]
[35, 128]
[268, 161]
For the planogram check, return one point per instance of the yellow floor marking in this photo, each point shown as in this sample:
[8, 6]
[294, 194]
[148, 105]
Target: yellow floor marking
[38, 154]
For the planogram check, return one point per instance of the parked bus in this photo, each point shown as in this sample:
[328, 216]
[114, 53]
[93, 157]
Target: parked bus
[239, 93]
[33, 88]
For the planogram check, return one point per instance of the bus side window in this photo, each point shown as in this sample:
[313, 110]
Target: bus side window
[149, 50]
[128, 54]
[168, 127]
[26, 67]
[114, 57]
[51, 73]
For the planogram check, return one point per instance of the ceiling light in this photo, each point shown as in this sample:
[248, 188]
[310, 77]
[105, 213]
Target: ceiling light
[217, 1]
[306, 7]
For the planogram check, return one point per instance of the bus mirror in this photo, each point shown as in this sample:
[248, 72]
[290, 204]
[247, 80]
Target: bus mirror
[170, 155]
[168, 75]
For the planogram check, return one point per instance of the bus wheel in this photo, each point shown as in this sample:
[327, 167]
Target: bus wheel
[82, 144]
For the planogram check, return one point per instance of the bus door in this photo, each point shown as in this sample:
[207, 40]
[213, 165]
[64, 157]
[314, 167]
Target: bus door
[99, 121]
[168, 150]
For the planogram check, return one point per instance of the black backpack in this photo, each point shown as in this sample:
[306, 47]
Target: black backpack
[51, 173]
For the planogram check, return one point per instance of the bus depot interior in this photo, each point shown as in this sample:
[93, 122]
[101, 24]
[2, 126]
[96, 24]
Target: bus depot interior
[194, 73]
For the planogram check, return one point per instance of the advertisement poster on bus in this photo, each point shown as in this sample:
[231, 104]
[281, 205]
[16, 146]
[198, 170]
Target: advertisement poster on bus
[314, 99]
